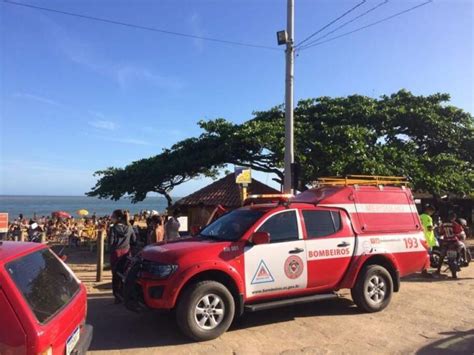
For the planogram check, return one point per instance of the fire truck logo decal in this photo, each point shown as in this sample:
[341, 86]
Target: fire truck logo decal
[262, 275]
[293, 267]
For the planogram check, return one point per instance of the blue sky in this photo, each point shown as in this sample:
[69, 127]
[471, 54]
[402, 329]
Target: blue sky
[77, 96]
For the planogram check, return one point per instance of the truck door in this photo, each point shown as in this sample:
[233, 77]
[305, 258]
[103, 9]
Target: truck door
[280, 266]
[329, 244]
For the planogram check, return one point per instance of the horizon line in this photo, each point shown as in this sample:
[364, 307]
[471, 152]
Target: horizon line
[123, 198]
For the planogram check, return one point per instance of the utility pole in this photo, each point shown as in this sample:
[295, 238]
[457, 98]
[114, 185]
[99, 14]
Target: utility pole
[290, 56]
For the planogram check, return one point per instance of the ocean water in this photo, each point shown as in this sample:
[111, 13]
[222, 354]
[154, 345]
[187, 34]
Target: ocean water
[45, 205]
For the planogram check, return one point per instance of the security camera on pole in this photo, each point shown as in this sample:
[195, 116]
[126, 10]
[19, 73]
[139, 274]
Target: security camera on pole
[287, 37]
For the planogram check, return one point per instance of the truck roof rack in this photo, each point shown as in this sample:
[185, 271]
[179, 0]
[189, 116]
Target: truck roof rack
[268, 198]
[362, 180]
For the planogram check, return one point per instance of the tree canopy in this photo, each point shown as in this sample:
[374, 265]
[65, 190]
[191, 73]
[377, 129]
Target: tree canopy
[421, 137]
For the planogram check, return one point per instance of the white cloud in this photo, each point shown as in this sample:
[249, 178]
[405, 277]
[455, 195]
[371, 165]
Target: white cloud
[97, 114]
[103, 124]
[127, 140]
[129, 75]
[125, 75]
[196, 27]
[37, 98]
[174, 133]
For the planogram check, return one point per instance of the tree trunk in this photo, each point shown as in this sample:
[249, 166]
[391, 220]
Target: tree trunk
[168, 198]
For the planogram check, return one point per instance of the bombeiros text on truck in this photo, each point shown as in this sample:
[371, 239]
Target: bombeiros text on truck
[359, 233]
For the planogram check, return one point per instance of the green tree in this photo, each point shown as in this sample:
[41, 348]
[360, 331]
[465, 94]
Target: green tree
[160, 174]
[421, 137]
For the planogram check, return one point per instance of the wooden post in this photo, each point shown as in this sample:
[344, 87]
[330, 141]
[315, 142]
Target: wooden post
[244, 192]
[100, 255]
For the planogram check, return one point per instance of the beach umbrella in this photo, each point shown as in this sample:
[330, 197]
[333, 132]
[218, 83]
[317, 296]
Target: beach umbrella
[82, 212]
[61, 214]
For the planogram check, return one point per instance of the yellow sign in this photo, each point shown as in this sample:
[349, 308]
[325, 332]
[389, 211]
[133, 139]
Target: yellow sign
[243, 175]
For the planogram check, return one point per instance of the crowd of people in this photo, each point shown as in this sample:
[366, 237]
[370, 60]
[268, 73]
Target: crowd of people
[124, 233]
[148, 227]
[54, 229]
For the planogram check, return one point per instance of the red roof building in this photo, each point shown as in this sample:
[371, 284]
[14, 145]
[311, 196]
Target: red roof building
[224, 192]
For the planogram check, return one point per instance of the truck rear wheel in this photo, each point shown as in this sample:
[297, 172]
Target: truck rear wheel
[205, 310]
[373, 289]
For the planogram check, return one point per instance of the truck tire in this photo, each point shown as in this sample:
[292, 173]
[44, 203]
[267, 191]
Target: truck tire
[205, 310]
[373, 289]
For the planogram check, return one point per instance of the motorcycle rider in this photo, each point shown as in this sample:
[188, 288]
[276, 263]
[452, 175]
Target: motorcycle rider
[452, 231]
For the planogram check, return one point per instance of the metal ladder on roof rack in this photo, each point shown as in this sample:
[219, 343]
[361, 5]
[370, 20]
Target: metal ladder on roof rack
[362, 180]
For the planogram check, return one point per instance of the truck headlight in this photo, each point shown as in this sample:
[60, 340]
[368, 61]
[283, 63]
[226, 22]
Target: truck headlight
[158, 270]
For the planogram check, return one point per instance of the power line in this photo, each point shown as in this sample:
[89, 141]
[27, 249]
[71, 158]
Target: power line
[330, 23]
[345, 24]
[147, 28]
[369, 25]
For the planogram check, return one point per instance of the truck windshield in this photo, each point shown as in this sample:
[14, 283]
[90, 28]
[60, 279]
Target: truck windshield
[44, 282]
[231, 226]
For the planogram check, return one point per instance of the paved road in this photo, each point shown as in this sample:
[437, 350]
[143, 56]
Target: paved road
[427, 316]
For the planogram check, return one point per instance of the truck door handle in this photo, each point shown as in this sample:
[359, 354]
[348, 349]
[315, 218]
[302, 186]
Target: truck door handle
[343, 244]
[296, 251]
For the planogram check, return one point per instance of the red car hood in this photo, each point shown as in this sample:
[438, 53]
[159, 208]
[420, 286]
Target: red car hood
[170, 252]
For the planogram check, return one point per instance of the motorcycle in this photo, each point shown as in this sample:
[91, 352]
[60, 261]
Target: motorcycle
[454, 259]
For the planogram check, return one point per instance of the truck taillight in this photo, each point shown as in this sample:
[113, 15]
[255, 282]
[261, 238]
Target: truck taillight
[424, 243]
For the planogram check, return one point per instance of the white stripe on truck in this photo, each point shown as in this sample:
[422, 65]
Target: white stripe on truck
[326, 248]
[373, 207]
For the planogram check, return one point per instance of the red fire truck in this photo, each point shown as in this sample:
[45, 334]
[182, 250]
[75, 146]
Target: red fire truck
[361, 234]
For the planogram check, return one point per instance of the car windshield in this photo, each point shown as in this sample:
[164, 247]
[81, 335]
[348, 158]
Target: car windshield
[46, 284]
[231, 226]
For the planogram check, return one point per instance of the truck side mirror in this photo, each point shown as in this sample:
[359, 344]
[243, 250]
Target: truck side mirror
[260, 238]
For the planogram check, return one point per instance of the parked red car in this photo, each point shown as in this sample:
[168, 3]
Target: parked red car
[43, 305]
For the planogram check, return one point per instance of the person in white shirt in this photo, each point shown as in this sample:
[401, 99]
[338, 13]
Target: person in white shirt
[172, 227]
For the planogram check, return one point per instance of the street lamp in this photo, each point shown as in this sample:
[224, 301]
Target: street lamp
[282, 37]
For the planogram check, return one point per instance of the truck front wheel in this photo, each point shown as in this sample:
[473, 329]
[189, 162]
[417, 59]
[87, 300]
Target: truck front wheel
[205, 310]
[373, 289]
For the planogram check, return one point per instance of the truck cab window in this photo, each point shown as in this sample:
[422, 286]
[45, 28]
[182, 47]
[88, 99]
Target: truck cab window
[282, 227]
[321, 223]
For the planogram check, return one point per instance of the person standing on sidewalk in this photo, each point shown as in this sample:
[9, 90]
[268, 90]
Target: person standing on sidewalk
[428, 227]
[121, 237]
[172, 227]
[428, 230]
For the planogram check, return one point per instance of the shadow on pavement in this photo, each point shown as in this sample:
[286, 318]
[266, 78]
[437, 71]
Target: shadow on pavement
[338, 307]
[117, 328]
[456, 343]
[441, 278]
